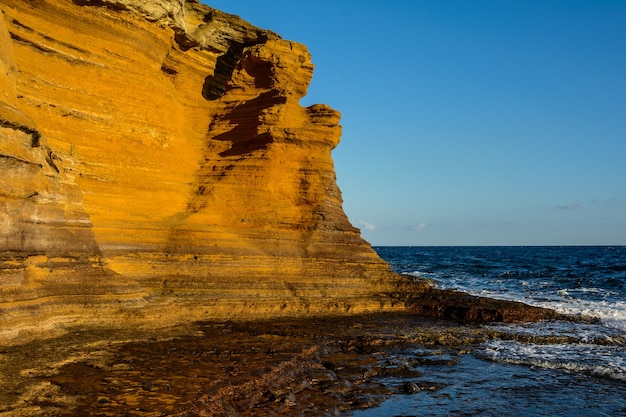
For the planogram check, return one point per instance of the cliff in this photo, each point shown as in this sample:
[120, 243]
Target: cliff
[158, 167]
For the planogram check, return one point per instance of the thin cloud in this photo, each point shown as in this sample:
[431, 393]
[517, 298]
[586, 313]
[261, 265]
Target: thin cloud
[569, 206]
[492, 225]
[418, 227]
[366, 225]
[608, 201]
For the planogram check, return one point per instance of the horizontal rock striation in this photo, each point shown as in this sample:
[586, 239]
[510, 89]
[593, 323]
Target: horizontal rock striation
[158, 167]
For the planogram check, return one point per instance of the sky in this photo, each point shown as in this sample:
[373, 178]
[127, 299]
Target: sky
[470, 122]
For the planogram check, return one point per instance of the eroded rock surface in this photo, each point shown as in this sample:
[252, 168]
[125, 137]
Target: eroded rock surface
[158, 167]
[281, 367]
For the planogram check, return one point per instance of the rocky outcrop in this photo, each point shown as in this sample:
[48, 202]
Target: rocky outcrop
[158, 167]
[462, 307]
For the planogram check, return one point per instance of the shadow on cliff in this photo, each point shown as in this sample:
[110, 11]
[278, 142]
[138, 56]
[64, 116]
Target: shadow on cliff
[243, 121]
[244, 136]
[101, 3]
[216, 85]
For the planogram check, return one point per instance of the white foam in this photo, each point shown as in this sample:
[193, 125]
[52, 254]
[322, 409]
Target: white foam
[610, 314]
[565, 301]
[601, 361]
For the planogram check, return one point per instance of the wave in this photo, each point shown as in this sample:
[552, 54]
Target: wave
[611, 314]
[590, 359]
[597, 303]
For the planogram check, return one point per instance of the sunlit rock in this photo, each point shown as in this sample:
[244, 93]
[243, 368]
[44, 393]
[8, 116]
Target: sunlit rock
[158, 168]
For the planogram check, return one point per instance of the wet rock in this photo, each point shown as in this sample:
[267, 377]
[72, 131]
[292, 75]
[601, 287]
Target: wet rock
[409, 387]
[311, 367]
[466, 308]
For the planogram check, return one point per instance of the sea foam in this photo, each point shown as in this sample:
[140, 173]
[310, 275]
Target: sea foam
[591, 359]
[590, 302]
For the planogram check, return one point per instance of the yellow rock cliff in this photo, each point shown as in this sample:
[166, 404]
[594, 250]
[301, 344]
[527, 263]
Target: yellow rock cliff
[157, 167]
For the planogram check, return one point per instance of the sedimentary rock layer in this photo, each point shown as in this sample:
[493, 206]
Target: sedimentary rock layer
[157, 166]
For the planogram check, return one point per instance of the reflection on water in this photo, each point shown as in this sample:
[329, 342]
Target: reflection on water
[474, 387]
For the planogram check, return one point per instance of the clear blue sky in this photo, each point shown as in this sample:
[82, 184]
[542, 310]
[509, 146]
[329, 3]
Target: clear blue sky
[470, 122]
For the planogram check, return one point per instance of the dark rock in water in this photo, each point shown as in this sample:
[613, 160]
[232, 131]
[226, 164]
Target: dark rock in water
[462, 307]
[410, 388]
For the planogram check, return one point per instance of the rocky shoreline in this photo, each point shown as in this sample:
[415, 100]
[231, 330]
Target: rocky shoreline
[160, 177]
[296, 367]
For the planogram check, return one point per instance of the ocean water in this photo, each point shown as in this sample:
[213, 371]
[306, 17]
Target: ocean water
[584, 377]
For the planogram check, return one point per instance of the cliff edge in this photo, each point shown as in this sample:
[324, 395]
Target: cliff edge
[158, 167]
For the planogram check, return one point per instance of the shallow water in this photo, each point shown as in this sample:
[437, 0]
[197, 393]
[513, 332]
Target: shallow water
[474, 387]
[585, 376]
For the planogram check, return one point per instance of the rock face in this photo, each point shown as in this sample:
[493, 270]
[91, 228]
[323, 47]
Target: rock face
[157, 167]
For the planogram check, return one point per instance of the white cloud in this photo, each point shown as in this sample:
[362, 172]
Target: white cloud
[366, 225]
[418, 227]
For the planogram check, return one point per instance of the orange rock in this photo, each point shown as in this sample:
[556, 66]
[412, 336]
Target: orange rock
[159, 168]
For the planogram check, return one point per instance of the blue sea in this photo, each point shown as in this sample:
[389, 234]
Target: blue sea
[584, 377]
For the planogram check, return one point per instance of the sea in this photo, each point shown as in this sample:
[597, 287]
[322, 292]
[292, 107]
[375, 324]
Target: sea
[583, 376]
